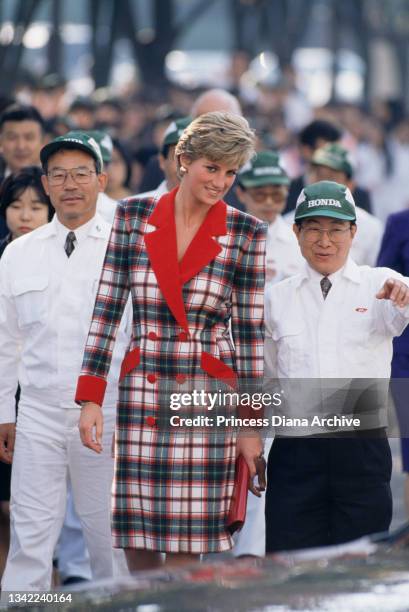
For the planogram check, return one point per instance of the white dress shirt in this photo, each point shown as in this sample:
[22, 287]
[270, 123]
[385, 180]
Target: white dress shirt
[347, 336]
[46, 303]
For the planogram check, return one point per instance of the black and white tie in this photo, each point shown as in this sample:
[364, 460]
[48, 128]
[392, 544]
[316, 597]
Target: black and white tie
[69, 245]
[325, 286]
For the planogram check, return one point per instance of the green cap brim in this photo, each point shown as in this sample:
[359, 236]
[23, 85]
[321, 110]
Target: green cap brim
[53, 147]
[325, 213]
[328, 164]
[262, 181]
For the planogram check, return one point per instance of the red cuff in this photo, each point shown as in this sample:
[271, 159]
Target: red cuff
[90, 389]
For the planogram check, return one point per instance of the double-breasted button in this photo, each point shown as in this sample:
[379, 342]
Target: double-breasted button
[183, 336]
[180, 378]
[151, 378]
[152, 335]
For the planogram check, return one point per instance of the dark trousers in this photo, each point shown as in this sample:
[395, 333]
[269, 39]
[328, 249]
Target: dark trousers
[323, 491]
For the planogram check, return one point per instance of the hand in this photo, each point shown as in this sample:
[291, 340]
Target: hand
[250, 446]
[394, 290]
[91, 426]
[7, 438]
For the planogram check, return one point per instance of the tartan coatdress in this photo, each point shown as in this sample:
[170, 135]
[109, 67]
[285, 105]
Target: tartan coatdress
[172, 490]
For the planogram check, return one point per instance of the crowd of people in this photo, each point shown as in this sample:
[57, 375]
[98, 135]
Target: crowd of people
[116, 236]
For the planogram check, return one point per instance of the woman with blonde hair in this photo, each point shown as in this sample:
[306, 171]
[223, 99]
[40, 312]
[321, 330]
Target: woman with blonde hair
[195, 270]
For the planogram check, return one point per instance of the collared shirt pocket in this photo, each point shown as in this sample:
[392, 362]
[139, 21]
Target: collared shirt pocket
[30, 296]
[292, 348]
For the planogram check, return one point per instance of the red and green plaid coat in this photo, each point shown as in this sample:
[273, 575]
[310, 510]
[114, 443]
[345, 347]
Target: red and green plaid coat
[202, 317]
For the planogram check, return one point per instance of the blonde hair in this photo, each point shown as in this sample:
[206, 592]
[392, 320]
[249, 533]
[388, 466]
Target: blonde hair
[218, 136]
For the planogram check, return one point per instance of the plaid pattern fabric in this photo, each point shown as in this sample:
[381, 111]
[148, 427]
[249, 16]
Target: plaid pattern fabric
[172, 490]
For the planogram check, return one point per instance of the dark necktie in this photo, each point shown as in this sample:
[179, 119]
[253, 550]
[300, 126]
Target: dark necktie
[69, 245]
[325, 286]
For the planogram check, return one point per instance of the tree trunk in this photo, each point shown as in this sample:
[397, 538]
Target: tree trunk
[105, 23]
[54, 44]
[10, 55]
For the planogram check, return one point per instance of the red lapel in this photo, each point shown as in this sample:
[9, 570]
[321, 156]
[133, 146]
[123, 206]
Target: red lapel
[203, 248]
[162, 250]
[162, 253]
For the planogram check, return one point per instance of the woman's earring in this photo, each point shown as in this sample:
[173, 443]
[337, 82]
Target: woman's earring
[183, 170]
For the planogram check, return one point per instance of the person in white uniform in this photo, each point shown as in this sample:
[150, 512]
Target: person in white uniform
[331, 163]
[71, 552]
[262, 188]
[328, 482]
[48, 281]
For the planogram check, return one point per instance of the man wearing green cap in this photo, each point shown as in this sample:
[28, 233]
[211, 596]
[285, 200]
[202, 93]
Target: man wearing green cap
[73, 558]
[329, 481]
[263, 189]
[167, 161]
[48, 281]
[331, 163]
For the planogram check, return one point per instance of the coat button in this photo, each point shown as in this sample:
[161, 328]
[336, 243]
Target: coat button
[151, 378]
[183, 336]
[152, 335]
[180, 378]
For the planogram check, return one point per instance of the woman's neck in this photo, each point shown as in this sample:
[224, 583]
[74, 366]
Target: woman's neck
[188, 210]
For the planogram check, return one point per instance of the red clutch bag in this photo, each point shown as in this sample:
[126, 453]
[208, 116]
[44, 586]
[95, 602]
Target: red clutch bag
[238, 504]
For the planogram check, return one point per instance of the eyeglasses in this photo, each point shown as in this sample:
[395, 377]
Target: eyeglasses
[263, 196]
[81, 176]
[314, 234]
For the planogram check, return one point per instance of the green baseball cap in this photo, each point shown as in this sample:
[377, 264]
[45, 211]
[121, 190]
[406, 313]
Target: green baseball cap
[174, 131]
[76, 139]
[326, 199]
[333, 156]
[105, 143]
[263, 169]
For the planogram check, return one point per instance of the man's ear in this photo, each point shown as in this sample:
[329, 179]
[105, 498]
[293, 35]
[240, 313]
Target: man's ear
[297, 231]
[102, 181]
[44, 180]
[353, 230]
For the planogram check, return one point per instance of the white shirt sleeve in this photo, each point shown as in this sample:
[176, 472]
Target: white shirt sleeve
[394, 318]
[10, 342]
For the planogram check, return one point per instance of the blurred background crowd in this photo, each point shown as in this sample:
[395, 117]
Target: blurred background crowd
[305, 73]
